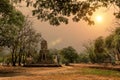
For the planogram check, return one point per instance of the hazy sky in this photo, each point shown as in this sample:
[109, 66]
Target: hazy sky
[73, 34]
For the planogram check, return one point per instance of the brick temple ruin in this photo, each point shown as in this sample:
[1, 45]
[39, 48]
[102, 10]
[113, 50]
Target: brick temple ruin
[44, 59]
[43, 54]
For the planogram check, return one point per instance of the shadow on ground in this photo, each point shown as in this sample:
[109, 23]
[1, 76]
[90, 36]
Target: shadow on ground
[13, 74]
[13, 71]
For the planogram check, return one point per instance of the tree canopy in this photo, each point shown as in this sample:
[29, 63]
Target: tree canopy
[59, 11]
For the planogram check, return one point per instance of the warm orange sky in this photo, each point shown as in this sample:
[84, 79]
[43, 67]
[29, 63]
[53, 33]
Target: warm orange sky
[73, 34]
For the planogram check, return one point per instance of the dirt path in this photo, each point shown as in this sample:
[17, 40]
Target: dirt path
[73, 72]
[34, 72]
[57, 70]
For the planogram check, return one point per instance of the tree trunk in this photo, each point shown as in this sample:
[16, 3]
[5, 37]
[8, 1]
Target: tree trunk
[118, 54]
[14, 57]
[19, 62]
[13, 63]
[20, 56]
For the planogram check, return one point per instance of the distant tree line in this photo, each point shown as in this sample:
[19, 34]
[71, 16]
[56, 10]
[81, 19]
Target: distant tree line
[105, 50]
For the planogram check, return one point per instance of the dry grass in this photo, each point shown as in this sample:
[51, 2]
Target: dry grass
[75, 72]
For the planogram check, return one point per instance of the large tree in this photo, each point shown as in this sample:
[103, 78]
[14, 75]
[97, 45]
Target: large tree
[109, 47]
[10, 25]
[99, 50]
[28, 41]
[112, 44]
[116, 42]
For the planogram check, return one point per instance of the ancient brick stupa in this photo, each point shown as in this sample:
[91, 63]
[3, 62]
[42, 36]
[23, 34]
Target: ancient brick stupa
[43, 54]
[44, 59]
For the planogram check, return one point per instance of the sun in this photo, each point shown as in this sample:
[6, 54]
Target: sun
[99, 18]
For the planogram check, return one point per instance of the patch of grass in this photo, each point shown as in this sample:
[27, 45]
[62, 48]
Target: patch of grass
[99, 72]
[1, 59]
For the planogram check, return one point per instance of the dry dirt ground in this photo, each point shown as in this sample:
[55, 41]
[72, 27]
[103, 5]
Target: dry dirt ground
[53, 73]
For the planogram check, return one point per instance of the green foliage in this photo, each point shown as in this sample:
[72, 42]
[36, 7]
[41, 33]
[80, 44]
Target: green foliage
[96, 51]
[105, 50]
[116, 41]
[99, 45]
[10, 25]
[28, 41]
[83, 58]
[65, 61]
[21, 39]
[107, 3]
[99, 50]
[1, 59]
[69, 54]
[89, 49]
[9, 15]
[112, 44]
[52, 53]
[8, 59]
[5, 7]
[16, 18]
[108, 42]
[59, 11]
